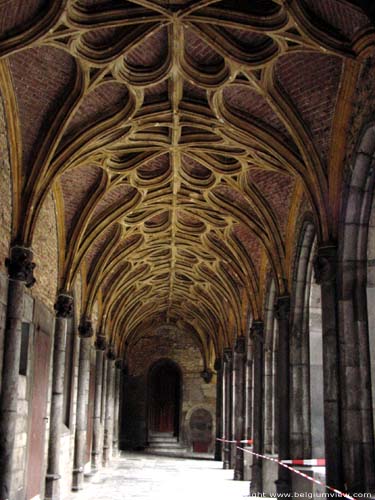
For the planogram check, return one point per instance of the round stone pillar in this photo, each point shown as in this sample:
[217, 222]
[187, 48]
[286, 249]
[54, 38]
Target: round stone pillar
[20, 270]
[64, 310]
[257, 336]
[239, 406]
[325, 269]
[85, 332]
[116, 416]
[227, 380]
[282, 311]
[219, 409]
[109, 408]
[100, 345]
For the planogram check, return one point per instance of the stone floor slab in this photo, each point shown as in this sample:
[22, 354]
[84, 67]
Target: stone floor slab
[144, 477]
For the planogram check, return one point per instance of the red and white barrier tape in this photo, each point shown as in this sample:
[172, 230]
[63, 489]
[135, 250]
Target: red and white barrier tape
[284, 464]
[319, 462]
[241, 441]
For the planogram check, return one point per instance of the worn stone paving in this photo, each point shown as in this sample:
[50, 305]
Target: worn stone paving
[143, 477]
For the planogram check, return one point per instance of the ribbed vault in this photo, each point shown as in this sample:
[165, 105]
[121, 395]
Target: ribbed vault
[179, 138]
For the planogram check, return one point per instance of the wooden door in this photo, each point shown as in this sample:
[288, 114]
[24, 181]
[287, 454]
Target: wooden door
[165, 400]
[38, 409]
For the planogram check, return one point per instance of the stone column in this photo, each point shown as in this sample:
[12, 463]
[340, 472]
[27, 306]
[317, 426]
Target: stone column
[64, 310]
[257, 335]
[325, 268]
[109, 409]
[100, 346]
[118, 368]
[20, 270]
[227, 374]
[239, 406]
[219, 409]
[85, 332]
[282, 310]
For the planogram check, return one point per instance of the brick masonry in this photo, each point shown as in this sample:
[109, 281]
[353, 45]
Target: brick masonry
[45, 249]
[5, 189]
[182, 348]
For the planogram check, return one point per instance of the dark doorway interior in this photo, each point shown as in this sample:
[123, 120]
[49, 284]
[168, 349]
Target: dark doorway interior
[164, 397]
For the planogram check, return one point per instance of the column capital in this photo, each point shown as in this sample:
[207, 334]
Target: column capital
[110, 353]
[282, 307]
[228, 354]
[239, 347]
[85, 328]
[207, 375]
[325, 264]
[100, 342]
[64, 305]
[218, 364]
[21, 266]
[257, 330]
[119, 363]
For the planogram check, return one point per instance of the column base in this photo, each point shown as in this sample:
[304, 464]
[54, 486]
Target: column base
[52, 487]
[238, 475]
[256, 476]
[77, 484]
[283, 487]
[106, 457]
[95, 462]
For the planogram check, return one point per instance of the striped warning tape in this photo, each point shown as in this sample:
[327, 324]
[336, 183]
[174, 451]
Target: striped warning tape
[241, 441]
[308, 461]
[292, 469]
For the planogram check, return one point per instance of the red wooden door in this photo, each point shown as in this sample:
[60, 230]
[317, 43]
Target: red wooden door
[165, 400]
[39, 392]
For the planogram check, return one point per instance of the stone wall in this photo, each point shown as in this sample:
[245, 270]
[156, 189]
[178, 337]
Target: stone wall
[22, 424]
[3, 302]
[5, 188]
[45, 248]
[182, 348]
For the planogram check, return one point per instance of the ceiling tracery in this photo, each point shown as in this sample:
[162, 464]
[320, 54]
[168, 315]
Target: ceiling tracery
[178, 133]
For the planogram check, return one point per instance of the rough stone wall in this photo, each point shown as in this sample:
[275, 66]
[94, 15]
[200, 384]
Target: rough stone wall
[5, 222]
[22, 424]
[5, 188]
[3, 302]
[180, 347]
[363, 111]
[45, 247]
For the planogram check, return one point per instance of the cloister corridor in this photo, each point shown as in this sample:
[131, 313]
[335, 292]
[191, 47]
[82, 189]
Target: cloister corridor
[137, 476]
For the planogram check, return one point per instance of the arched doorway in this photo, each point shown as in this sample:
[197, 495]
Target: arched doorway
[164, 383]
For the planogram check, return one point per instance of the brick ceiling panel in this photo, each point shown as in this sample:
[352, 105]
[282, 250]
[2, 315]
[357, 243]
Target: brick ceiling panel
[76, 184]
[245, 100]
[15, 14]
[191, 123]
[312, 82]
[42, 81]
[98, 247]
[277, 189]
[347, 19]
[250, 242]
[104, 101]
[199, 51]
[150, 51]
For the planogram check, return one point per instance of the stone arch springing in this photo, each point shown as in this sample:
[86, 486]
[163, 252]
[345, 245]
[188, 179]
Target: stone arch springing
[270, 356]
[306, 359]
[356, 303]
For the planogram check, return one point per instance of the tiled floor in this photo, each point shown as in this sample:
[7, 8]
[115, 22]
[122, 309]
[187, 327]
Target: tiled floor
[144, 477]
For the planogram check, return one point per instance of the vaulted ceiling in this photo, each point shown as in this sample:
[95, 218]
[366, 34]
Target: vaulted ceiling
[181, 138]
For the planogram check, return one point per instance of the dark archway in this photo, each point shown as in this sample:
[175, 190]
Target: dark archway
[164, 397]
